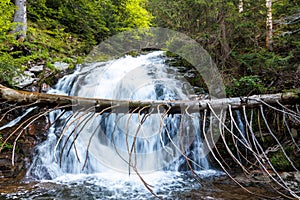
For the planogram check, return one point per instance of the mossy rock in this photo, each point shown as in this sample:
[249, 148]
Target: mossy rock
[280, 162]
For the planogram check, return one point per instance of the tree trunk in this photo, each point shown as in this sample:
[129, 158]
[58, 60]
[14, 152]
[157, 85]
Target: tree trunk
[20, 17]
[269, 26]
[241, 6]
[225, 48]
[173, 106]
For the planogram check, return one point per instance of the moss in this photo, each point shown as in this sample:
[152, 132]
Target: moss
[68, 60]
[291, 94]
[7, 146]
[280, 162]
[71, 66]
[51, 66]
[133, 53]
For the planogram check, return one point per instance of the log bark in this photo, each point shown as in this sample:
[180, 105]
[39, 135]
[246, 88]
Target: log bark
[174, 106]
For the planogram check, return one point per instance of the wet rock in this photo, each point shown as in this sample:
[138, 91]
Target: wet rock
[292, 179]
[24, 80]
[6, 168]
[61, 66]
[297, 177]
[4, 160]
[33, 135]
[294, 133]
[31, 129]
[45, 87]
[37, 68]
[28, 144]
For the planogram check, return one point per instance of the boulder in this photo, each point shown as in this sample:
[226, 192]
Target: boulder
[61, 66]
[37, 68]
[24, 80]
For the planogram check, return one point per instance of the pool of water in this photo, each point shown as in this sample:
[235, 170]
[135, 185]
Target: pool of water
[167, 185]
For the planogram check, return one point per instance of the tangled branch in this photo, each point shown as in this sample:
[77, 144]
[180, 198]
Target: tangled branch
[252, 130]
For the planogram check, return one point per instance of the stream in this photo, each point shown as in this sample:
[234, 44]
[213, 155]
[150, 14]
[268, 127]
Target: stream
[63, 168]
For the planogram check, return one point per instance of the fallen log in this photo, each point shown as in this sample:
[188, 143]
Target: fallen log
[248, 146]
[173, 106]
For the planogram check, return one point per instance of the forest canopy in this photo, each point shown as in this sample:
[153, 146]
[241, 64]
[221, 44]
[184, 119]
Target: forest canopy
[58, 30]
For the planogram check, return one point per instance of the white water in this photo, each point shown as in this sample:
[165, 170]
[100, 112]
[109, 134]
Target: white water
[145, 77]
[17, 120]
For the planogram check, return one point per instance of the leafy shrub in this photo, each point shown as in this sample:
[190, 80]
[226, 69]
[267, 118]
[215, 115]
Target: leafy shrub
[8, 69]
[245, 86]
[263, 60]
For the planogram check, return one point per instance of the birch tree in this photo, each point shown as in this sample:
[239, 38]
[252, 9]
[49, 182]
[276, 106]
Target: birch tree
[20, 17]
[269, 26]
[241, 6]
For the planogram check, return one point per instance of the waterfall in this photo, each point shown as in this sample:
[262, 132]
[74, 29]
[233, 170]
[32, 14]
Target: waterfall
[104, 141]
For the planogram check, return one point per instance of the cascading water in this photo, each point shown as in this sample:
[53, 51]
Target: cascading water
[109, 144]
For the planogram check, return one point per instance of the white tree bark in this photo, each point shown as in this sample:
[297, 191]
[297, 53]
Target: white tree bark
[20, 17]
[173, 106]
[269, 25]
[241, 6]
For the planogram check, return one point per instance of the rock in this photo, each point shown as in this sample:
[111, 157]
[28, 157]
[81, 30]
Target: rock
[31, 129]
[285, 175]
[61, 65]
[28, 73]
[4, 162]
[22, 81]
[294, 132]
[37, 68]
[35, 134]
[45, 87]
[7, 170]
[297, 177]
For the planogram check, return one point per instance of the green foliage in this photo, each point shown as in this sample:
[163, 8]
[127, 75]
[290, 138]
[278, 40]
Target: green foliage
[63, 30]
[263, 60]
[220, 28]
[6, 14]
[134, 15]
[7, 146]
[8, 67]
[41, 46]
[236, 41]
[280, 162]
[93, 21]
[51, 66]
[245, 86]
[7, 72]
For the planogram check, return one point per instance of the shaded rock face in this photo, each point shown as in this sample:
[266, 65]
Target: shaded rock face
[33, 135]
[37, 79]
